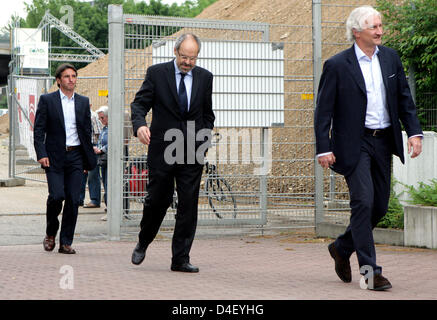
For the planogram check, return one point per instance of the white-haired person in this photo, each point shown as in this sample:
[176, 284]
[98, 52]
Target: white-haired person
[362, 100]
[102, 150]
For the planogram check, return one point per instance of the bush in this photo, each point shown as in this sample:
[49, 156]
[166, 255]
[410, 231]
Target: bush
[425, 194]
[395, 213]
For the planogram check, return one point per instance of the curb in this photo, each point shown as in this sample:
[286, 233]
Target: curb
[383, 236]
[12, 182]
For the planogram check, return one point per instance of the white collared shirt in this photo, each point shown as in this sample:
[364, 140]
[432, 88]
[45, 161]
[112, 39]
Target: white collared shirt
[188, 80]
[377, 116]
[69, 120]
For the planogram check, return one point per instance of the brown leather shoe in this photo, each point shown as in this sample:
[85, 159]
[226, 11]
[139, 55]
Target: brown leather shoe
[49, 243]
[66, 249]
[342, 266]
[380, 283]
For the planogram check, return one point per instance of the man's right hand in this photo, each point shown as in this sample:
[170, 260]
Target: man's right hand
[143, 134]
[45, 163]
[327, 160]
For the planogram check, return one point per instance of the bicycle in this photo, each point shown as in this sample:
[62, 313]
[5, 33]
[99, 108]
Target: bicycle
[216, 188]
[218, 191]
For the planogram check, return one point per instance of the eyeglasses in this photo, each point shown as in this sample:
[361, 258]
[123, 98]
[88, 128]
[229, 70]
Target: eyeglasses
[186, 57]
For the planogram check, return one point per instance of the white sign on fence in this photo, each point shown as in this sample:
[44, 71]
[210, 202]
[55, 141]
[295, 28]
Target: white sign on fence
[35, 55]
[248, 88]
[27, 97]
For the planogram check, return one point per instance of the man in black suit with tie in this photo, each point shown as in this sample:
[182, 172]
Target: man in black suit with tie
[363, 95]
[62, 141]
[180, 96]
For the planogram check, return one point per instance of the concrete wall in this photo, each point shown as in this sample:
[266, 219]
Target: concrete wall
[420, 169]
[420, 226]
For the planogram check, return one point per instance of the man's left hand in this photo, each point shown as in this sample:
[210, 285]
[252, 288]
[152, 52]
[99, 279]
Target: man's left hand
[415, 146]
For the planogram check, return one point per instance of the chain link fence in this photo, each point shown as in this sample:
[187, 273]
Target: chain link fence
[262, 98]
[265, 79]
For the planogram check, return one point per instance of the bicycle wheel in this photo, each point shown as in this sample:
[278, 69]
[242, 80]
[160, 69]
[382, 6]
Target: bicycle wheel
[220, 197]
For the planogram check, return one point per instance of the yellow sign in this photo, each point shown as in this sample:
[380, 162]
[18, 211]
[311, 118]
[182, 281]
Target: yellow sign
[306, 96]
[103, 93]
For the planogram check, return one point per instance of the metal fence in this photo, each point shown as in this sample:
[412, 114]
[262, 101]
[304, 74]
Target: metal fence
[427, 110]
[265, 83]
[265, 156]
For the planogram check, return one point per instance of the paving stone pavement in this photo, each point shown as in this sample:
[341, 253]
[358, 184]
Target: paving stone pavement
[234, 265]
[275, 267]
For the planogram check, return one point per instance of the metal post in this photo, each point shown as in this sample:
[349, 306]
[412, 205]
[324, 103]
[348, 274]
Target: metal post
[11, 128]
[317, 72]
[263, 174]
[116, 121]
[331, 185]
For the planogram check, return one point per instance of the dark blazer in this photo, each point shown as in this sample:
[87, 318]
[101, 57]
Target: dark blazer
[342, 103]
[158, 92]
[49, 130]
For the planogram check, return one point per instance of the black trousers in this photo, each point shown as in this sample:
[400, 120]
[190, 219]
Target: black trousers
[369, 190]
[159, 198]
[64, 185]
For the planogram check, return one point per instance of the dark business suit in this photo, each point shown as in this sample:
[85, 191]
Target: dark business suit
[364, 160]
[64, 176]
[158, 92]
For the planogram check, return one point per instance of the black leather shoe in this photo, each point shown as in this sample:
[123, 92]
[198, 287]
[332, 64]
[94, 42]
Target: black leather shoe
[342, 266]
[139, 253]
[184, 267]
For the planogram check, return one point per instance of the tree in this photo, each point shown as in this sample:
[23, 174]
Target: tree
[91, 19]
[411, 29]
[13, 21]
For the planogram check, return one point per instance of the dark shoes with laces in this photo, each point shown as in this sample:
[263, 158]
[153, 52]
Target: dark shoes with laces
[342, 265]
[184, 267]
[380, 283]
[343, 270]
[139, 254]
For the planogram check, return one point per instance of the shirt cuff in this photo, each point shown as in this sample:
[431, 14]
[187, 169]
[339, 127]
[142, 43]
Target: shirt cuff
[323, 154]
[416, 135]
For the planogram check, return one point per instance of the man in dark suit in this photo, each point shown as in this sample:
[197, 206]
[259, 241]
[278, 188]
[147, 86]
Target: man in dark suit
[62, 140]
[363, 94]
[180, 96]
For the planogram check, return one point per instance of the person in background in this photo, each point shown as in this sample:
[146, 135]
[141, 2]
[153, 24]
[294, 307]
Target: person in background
[127, 133]
[92, 176]
[101, 150]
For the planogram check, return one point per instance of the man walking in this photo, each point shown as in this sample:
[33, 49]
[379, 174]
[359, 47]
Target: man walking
[62, 140]
[363, 94]
[180, 96]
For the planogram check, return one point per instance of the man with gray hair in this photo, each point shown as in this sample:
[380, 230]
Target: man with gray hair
[180, 96]
[362, 98]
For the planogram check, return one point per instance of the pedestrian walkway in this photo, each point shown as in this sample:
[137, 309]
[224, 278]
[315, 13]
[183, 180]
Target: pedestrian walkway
[234, 265]
[276, 267]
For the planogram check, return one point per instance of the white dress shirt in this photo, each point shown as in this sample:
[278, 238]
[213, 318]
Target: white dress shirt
[188, 80]
[69, 120]
[377, 116]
